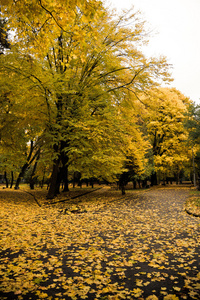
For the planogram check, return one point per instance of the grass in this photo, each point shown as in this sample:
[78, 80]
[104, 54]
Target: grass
[193, 203]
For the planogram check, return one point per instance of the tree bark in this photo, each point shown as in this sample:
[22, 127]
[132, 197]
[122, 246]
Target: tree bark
[134, 184]
[32, 178]
[64, 170]
[92, 182]
[154, 179]
[123, 189]
[53, 181]
[25, 166]
[12, 179]
[21, 174]
[42, 182]
[65, 179]
[6, 179]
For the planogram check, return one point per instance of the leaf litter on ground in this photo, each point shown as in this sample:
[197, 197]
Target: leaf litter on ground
[99, 246]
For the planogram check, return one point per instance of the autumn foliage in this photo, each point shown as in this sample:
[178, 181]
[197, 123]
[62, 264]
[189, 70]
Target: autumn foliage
[80, 102]
[79, 96]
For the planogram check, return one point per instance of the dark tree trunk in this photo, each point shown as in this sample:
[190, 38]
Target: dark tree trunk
[154, 179]
[32, 183]
[144, 183]
[74, 181]
[124, 179]
[65, 179]
[80, 183]
[177, 177]
[76, 178]
[6, 179]
[134, 184]
[122, 186]
[139, 183]
[198, 183]
[58, 181]
[21, 174]
[53, 181]
[64, 170]
[32, 178]
[26, 165]
[12, 179]
[123, 189]
[92, 183]
[42, 182]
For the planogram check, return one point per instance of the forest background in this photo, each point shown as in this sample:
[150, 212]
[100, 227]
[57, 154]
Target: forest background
[80, 101]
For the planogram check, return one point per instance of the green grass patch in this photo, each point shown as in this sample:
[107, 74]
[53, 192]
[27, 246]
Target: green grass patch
[195, 192]
[197, 202]
[193, 203]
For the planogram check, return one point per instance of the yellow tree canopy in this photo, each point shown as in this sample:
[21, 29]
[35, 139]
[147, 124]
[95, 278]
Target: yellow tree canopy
[81, 64]
[165, 115]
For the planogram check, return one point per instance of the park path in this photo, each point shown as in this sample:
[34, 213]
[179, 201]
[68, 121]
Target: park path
[114, 247]
[168, 242]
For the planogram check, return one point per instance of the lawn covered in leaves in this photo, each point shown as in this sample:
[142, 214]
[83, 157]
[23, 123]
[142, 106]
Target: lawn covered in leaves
[99, 246]
[193, 203]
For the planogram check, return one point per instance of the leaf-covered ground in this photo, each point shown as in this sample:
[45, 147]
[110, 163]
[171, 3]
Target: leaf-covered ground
[101, 246]
[192, 205]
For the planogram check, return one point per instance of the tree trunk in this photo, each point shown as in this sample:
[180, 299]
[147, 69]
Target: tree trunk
[6, 179]
[64, 170]
[53, 181]
[123, 180]
[144, 183]
[27, 164]
[139, 183]
[21, 174]
[80, 183]
[177, 177]
[74, 181]
[123, 189]
[58, 182]
[92, 183]
[134, 184]
[122, 186]
[154, 179]
[32, 178]
[65, 179]
[12, 179]
[42, 182]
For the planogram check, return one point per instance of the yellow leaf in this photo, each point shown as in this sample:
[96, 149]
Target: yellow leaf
[171, 297]
[137, 292]
[152, 297]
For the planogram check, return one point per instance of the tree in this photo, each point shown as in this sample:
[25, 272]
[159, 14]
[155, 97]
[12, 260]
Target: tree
[20, 128]
[4, 43]
[192, 125]
[80, 65]
[165, 117]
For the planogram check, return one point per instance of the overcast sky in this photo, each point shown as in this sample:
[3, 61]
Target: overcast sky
[176, 28]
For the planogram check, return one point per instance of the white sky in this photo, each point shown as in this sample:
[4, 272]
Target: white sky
[176, 35]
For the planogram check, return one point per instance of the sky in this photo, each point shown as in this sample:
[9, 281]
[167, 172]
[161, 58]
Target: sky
[175, 30]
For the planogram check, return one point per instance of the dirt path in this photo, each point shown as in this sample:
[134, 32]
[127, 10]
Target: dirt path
[140, 245]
